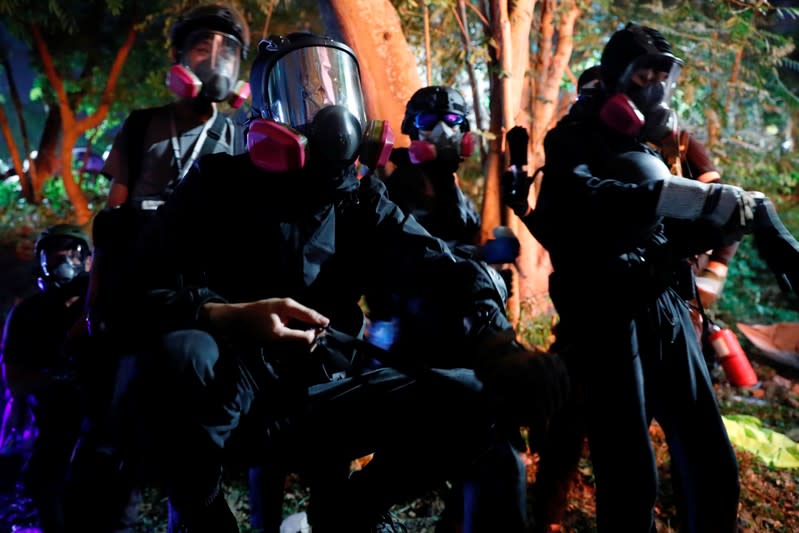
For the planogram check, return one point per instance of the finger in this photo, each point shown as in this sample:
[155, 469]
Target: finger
[294, 309]
[306, 336]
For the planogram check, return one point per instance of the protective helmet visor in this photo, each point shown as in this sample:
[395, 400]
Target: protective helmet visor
[663, 68]
[308, 79]
[63, 259]
[208, 53]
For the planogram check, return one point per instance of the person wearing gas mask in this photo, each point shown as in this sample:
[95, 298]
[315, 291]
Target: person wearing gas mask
[151, 154]
[156, 146]
[308, 229]
[624, 324]
[37, 369]
[423, 182]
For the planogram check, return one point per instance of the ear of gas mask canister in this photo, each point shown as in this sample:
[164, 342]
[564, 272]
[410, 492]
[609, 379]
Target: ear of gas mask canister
[276, 147]
[183, 82]
[621, 114]
[239, 94]
[378, 140]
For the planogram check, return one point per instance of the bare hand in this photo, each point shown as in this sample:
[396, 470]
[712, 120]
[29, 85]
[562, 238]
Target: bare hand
[268, 320]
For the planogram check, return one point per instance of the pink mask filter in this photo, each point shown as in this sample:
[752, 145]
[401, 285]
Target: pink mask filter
[183, 82]
[621, 114]
[239, 94]
[276, 148]
[423, 151]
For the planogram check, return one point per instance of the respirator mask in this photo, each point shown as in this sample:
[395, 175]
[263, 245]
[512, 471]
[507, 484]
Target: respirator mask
[308, 106]
[441, 139]
[208, 67]
[640, 107]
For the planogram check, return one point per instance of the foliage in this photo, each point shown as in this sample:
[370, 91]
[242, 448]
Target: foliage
[19, 220]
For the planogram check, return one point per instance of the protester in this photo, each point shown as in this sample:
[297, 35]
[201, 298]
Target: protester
[37, 367]
[294, 230]
[604, 198]
[152, 153]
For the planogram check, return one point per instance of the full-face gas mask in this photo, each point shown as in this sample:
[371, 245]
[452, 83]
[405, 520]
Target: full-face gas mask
[62, 252]
[641, 76]
[209, 43]
[308, 106]
[435, 120]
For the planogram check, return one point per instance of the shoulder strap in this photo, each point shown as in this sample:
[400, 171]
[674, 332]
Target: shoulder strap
[136, 126]
[214, 134]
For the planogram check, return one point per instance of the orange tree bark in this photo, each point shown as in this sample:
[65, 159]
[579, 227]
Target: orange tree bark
[16, 160]
[25, 179]
[555, 32]
[72, 126]
[388, 69]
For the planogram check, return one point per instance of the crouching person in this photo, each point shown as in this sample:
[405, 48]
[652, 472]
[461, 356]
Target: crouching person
[251, 277]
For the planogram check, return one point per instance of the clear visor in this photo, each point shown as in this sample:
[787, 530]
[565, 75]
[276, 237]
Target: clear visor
[219, 51]
[308, 79]
[50, 260]
[650, 68]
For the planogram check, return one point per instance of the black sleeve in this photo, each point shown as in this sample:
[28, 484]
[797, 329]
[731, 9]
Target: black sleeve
[444, 303]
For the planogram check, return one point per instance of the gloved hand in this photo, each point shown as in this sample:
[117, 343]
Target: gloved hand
[726, 207]
[525, 387]
[710, 282]
[504, 248]
[515, 191]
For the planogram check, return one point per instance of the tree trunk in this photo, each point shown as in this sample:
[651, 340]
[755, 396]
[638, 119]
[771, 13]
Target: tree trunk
[389, 76]
[25, 179]
[16, 160]
[461, 17]
[72, 127]
[47, 157]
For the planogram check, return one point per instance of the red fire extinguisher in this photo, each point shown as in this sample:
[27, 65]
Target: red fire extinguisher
[733, 360]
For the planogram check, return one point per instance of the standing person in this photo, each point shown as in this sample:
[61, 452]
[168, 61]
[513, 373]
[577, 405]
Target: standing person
[424, 182]
[310, 235]
[604, 198]
[36, 365]
[157, 146]
[152, 153]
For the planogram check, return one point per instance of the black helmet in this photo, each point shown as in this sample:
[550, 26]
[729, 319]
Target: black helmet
[215, 17]
[60, 234]
[56, 267]
[627, 45]
[433, 99]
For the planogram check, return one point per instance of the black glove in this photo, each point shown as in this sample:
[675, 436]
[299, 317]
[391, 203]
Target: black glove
[515, 191]
[527, 388]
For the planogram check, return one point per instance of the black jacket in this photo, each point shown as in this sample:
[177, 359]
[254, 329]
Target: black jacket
[234, 233]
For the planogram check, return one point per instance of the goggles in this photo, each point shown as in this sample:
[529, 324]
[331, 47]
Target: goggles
[428, 120]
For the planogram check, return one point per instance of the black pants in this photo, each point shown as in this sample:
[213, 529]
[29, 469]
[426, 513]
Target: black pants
[632, 368]
[58, 411]
[423, 430]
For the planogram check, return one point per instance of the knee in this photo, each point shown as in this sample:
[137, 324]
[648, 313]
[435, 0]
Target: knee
[191, 353]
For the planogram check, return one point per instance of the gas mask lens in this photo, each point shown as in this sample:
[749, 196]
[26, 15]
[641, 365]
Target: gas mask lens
[213, 53]
[62, 264]
[428, 120]
[306, 80]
